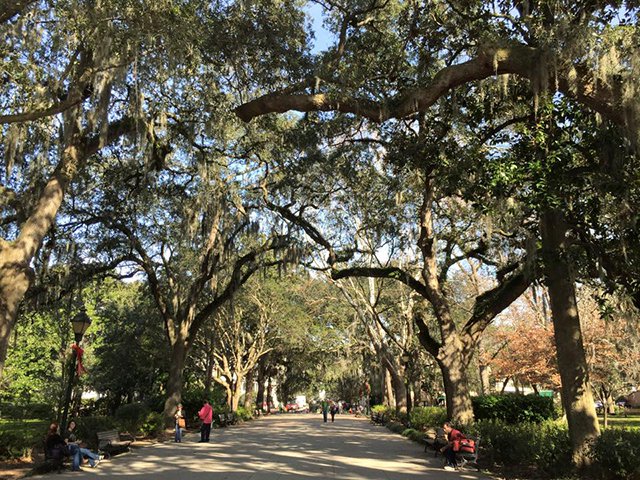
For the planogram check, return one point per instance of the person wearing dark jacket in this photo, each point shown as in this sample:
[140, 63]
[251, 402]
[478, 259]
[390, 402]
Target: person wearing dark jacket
[333, 410]
[72, 439]
[57, 448]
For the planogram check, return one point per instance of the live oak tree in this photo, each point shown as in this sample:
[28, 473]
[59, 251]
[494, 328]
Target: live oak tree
[568, 186]
[560, 47]
[112, 70]
[101, 71]
[402, 205]
[66, 95]
[196, 238]
[388, 326]
[255, 322]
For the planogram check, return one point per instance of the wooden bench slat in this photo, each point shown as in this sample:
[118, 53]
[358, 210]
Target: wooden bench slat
[110, 442]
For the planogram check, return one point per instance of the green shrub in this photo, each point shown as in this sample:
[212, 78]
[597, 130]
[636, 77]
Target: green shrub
[396, 427]
[243, 414]
[544, 445]
[513, 408]
[152, 425]
[41, 411]
[14, 445]
[413, 434]
[131, 416]
[389, 412]
[380, 408]
[18, 438]
[617, 453]
[88, 427]
[423, 418]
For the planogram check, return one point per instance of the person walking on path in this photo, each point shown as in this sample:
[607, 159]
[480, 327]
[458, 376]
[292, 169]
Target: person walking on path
[325, 409]
[71, 439]
[180, 423]
[448, 451]
[333, 410]
[206, 415]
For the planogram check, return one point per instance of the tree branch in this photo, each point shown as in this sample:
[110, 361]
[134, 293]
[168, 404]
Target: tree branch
[520, 60]
[394, 273]
[12, 8]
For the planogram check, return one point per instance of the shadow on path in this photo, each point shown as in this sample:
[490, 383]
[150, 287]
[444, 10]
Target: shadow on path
[282, 447]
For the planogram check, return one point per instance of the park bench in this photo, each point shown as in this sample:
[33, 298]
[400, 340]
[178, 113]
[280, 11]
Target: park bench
[222, 420]
[435, 439]
[231, 419]
[111, 442]
[378, 418]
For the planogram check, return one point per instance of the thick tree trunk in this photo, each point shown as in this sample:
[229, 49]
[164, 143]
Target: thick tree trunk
[485, 379]
[453, 365]
[398, 384]
[237, 391]
[15, 257]
[260, 393]
[15, 278]
[175, 381]
[577, 398]
[208, 375]
[249, 390]
[387, 385]
[15, 273]
[270, 401]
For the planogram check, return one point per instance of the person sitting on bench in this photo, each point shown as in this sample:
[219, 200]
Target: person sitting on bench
[448, 451]
[71, 439]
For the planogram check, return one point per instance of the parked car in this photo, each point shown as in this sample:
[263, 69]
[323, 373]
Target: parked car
[291, 407]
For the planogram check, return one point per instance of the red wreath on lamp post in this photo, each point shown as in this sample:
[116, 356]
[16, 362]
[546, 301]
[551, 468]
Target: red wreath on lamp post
[80, 370]
[80, 324]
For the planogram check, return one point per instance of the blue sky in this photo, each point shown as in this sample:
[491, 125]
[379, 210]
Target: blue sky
[323, 37]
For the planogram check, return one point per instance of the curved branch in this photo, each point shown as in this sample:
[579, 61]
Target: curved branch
[519, 60]
[492, 302]
[394, 273]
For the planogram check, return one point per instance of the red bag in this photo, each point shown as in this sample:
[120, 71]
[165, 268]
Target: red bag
[466, 445]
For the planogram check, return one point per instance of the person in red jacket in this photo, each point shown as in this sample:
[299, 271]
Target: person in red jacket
[448, 451]
[206, 415]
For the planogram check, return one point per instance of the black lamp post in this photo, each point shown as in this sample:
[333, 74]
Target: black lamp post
[406, 360]
[80, 324]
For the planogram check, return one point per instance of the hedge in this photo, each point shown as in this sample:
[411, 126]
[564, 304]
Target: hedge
[513, 408]
[616, 453]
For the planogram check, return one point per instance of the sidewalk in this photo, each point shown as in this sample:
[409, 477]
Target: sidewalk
[283, 447]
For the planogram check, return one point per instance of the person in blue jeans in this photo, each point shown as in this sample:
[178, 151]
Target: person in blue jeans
[178, 416]
[78, 452]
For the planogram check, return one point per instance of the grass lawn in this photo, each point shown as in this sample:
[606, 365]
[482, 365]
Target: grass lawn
[619, 421]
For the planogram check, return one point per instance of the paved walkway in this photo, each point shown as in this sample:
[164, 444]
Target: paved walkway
[283, 447]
